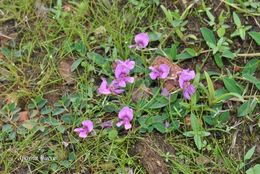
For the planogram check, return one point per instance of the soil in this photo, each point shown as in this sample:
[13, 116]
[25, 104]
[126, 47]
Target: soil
[150, 158]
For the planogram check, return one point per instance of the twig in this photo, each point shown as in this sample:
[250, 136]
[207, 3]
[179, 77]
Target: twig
[256, 22]
[5, 36]
[249, 55]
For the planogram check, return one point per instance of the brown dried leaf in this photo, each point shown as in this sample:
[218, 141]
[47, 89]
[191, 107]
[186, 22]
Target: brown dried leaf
[1, 56]
[23, 116]
[65, 71]
[171, 83]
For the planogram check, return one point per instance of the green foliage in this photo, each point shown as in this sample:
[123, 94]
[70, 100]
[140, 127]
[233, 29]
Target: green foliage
[197, 132]
[241, 29]
[255, 36]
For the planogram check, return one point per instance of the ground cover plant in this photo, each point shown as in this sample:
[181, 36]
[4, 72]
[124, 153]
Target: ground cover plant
[129, 86]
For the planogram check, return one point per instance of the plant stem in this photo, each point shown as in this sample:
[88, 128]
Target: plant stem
[249, 55]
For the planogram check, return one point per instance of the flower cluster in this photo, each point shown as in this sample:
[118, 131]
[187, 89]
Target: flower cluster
[184, 81]
[161, 72]
[125, 116]
[185, 76]
[122, 77]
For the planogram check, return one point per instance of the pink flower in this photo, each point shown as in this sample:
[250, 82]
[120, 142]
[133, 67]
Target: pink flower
[123, 79]
[188, 91]
[141, 41]
[123, 67]
[121, 72]
[86, 129]
[104, 87]
[125, 115]
[184, 82]
[108, 89]
[161, 72]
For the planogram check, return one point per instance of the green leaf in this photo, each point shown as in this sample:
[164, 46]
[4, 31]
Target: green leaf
[61, 128]
[227, 96]
[65, 163]
[191, 52]
[210, 87]
[154, 36]
[96, 58]
[172, 52]
[254, 170]
[160, 127]
[252, 79]
[208, 35]
[236, 20]
[112, 134]
[250, 67]
[231, 85]
[247, 107]
[228, 54]
[46, 110]
[218, 60]
[221, 31]
[52, 121]
[76, 64]
[159, 102]
[194, 123]
[198, 142]
[249, 153]
[29, 124]
[7, 128]
[167, 14]
[57, 111]
[256, 36]
[67, 118]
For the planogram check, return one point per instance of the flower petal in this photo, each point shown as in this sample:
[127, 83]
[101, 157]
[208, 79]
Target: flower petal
[104, 89]
[127, 125]
[187, 75]
[126, 112]
[164, 69]
[120, 123]
[83, 134]
[130, 79]
[80, 129]
[142, 40]
[88, 124]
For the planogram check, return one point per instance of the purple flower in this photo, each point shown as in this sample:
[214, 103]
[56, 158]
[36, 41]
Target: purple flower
[141, 41]
[86, 129]
[188, 91]
[107, 124]
[185, 76]
[125, 115]
[108, 89]
[123, 79]
[104, 87]
[161, 72]
[184, 81]
[123, 67]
